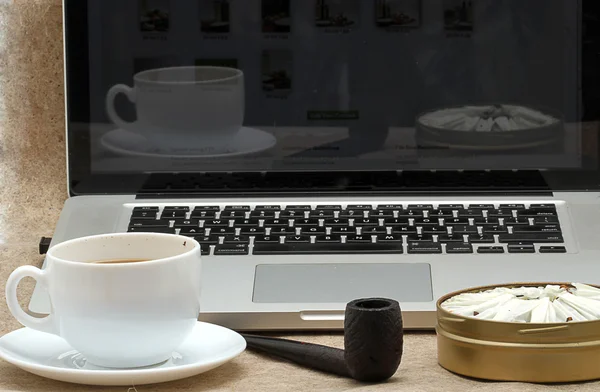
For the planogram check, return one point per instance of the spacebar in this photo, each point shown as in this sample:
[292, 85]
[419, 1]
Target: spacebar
[320, 248]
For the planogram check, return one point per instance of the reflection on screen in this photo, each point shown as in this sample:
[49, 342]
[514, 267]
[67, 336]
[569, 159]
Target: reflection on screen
[232, 85]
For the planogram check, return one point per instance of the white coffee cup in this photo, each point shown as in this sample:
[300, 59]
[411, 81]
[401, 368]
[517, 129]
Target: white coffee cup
[118, 315]
[184, 107]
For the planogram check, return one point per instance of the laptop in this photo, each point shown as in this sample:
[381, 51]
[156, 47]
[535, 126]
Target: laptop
[329, 150]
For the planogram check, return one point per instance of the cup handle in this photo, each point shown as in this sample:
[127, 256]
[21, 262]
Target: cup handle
[110, 103]
[45, 324]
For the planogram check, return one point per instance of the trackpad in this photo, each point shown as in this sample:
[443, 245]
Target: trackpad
[342, 283]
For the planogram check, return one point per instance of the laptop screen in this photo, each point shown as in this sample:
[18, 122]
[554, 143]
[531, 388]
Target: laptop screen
[158, 87]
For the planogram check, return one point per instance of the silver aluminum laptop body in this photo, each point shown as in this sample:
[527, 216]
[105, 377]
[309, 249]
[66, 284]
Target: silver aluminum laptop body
[286, 285]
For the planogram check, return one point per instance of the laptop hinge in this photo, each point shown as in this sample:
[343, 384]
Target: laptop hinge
[346, 194]
[344, 184]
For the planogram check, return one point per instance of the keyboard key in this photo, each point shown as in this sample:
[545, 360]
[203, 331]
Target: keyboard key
[434, 230]
[252, 231]
[231, 250]
[322, 214]
[481, 239]
[298, 208]
[541, 220]
[336, 222]
[486, 222]
[395, 222]
[328, 248]
[542, 206]
[537, 212]
[328, 239]
[364, 207]
[496, 229]
[512, 206]
[521, 248]
[381, 214]
[441, 214]
[205, 250]
[296, 239]
[374, 230]
[470, 213]
[314, 231]
[237, 208]
[499, 214]
[444, 238]
[191, 231]
[364, 222]
[283, 231]
[175, 214]
[550, 228]
[276, 223]
[531, 237]
[343, 230]
[481, 206]
[143, 215]
[246, 223]
[291, 214]
[490, 249]
[456, 221]
[306, 222]
[393, 207]
[187, 223]
[236, 239]
[384, 239]
[136, 209]
[410, 214]
[199, 214]
[516, 222]
[420, 206]
[267, 239]
[419, 238]
[458, 248]
[165, 230]
[464, 229]
[329, 207]
[422, 222]
[149, 223]
[358, 239]
[453, 207]
[207, 240]
[267, 208]
[352, 214]
[265, 214]
[176, 208]
[223, 231]
[207, 208]
[232, 214]
[553, 249]
[216, 223]
[424, 247]
[404, 230]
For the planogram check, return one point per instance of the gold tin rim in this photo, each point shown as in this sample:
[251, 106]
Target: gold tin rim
[525, 352]
[509, 332]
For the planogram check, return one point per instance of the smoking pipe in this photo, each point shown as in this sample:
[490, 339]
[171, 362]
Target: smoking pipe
[373, 341]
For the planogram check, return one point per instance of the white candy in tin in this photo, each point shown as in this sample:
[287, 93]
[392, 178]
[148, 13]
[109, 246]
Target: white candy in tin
[550, 304]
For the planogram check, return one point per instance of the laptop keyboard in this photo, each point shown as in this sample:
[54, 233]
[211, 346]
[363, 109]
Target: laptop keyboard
[360, 229]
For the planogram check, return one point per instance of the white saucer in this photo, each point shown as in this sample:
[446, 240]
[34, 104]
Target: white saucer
[208, 347]
[247, 141]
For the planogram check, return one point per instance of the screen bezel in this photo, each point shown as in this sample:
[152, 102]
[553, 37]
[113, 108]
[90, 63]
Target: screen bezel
[83, 182]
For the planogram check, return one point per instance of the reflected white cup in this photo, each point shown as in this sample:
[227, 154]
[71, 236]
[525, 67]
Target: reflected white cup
[184, 107]
[121, 315]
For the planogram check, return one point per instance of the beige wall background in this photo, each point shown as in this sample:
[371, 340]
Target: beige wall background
[32, 153]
